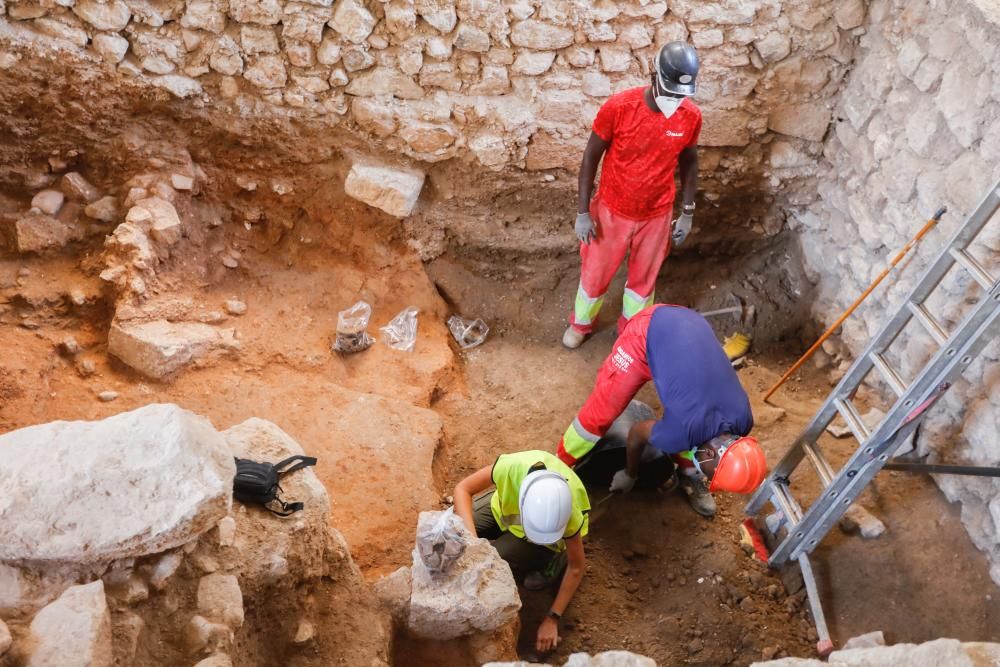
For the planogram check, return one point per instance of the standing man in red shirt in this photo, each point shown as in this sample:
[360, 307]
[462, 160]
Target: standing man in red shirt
[642, 133]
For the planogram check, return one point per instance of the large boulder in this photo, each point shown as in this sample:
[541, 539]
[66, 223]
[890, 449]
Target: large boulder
[73, 631]
[160, 348]
[477, 594]
[88, 493]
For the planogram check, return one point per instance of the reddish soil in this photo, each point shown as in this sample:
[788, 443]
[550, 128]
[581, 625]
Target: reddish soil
[661, 580]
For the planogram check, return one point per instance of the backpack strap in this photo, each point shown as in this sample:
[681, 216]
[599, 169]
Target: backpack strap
[300, 462]
[287, 508]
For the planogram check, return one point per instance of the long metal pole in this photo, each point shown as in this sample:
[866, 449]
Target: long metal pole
[928, 226]
[942, 469]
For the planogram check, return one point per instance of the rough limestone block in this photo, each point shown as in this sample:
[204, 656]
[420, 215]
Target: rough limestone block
[160, 348]
[116, 500]
[867, 640]
[533, 63]
[158, 218]
[724, 128]
[178, 86]
[73, 631]
[256, 39]
[262, 12]
[35, 232]
[774, 46]
[204, 15]
[470, 38]
[48, 201]
[806, 121]
[112, 16]
[385, 81]
[393, 591]
[352, 20]
[111, 48]
[541, 36]
[440, 14]
[267, 72]
[220, 599]
[477, 594]
[393, 190]
[217, 660]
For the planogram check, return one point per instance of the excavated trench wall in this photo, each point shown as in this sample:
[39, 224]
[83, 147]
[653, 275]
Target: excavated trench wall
[916, 128]
[508, 89]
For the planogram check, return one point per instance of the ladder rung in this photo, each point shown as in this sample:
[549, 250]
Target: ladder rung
[889, 373]
[930, 324]
[821, 465]
[969, 263]
[783, 501]
[853, 419]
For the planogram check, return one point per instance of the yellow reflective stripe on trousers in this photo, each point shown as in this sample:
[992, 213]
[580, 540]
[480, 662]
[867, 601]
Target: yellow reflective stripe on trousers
[586, 307]
[632, 303]
[577, 440]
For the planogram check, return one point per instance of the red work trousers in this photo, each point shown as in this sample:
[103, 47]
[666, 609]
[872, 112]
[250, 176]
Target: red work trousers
[647, 244]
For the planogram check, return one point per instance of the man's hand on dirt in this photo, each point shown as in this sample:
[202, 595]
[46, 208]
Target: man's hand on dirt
[681, 228]
[585, 228]
[622, 482]
[548, 635]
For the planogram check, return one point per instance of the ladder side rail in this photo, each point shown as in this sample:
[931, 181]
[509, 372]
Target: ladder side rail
[862, 365]
[976, 331]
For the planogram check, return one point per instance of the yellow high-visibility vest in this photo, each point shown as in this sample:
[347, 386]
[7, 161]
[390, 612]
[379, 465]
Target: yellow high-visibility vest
[508, 473]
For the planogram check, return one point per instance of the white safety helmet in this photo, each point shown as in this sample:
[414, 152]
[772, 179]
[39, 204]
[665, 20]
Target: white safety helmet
[545, 504]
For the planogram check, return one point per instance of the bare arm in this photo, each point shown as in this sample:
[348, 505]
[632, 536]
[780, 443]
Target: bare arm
[466, 489]
[548, 630]
[592, 155]
[638, 436]
[688, 163]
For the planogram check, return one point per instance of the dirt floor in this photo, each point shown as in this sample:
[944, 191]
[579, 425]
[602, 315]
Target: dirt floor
[661, 580]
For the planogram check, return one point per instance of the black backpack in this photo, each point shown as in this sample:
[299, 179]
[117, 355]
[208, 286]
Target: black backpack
[257, 483]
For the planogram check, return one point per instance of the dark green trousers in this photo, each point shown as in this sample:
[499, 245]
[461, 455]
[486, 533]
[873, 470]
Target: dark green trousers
[522, 556]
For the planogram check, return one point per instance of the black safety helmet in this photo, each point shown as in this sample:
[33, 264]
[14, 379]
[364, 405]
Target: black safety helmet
[676, 68]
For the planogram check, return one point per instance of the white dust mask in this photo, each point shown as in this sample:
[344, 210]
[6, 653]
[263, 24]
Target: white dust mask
[668, 105]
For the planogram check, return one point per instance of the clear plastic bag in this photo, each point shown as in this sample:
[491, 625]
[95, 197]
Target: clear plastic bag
[441, 539]
[468, 333]
[401, 332]
[352, 329]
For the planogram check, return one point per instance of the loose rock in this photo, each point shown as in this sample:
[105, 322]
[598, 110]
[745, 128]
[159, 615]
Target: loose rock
[107, 396]
[73, 631]
[220, 599]
[392, 190]
[48, 201]
[160, 348]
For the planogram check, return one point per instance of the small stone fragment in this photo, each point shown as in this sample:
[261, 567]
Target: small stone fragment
[858, 519]
[305, 632]
[108, 396]
[104, 209]
[867, 640]
[48, 201]
[227, 531]
[235, 307]
[181, 182]
[229, 262]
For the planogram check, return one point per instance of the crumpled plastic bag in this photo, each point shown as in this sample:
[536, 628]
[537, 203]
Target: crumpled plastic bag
[401, 332]
[352, 329]
[467, 333]
[441, 539]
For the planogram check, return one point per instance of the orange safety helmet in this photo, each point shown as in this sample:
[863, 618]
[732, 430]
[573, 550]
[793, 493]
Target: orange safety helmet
[742, 467]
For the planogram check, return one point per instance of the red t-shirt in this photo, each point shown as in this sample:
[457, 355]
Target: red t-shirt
[637, 177]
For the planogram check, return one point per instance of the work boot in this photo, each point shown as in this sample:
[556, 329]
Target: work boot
[573, 338]
[698, 495]
[550, 576]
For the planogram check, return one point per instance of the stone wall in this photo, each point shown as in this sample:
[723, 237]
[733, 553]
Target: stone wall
[509, 86]
[917, 129]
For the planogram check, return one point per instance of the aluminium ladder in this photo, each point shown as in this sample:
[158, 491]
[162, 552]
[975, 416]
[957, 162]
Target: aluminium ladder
[804, 528]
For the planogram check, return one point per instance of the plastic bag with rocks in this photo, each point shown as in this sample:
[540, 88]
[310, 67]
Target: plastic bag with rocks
[352, 329]
[468, 333]
[401, 332]
[441, 539]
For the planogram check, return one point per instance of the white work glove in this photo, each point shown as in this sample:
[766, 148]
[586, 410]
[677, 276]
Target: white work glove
[681, 228]
[622, 482]
[585, 228]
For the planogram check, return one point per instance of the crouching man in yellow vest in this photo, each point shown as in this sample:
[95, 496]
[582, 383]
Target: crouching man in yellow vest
[536, 519]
